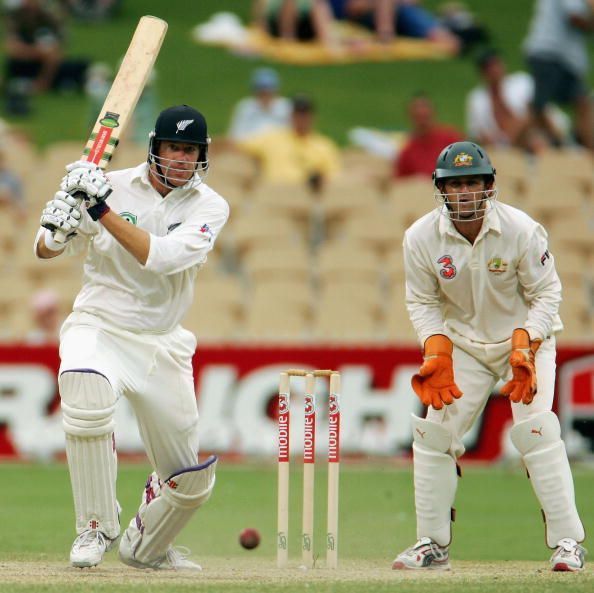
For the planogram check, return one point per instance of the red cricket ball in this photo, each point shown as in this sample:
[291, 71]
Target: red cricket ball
[249, 538]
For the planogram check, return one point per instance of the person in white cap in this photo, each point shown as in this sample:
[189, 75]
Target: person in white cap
[262, 111]
[147, 231]
[46, 318]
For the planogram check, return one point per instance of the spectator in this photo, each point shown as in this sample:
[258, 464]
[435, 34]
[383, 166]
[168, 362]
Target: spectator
[34, 48]
[11, 187]
[295, 20]
[262, 111]
[458, 18]
[426, 140]
[98, 81]
[498, 110]
[297, 154]
[557, 57]
[93, 10]
[389, 18]
[46, 317]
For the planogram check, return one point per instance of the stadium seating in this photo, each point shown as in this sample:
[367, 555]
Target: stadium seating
[297, 266]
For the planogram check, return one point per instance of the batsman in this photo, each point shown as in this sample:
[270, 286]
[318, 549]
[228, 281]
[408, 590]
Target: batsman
[146, 232]
[483, 296]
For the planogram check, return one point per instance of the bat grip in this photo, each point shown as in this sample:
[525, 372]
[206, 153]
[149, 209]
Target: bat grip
[60, 236]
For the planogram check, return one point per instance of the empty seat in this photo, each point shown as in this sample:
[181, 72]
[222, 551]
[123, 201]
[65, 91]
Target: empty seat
[252, 231]
[217, 309]
[394, 267]
[511, 162]
[396, 324]
[567, 163]
[345, 320]
[355, 295]
[343, 200]
[284, 263]
[296, 201]
[276, 317]
[346, 260]
[380, 230]
[412, 199]
[569, 230]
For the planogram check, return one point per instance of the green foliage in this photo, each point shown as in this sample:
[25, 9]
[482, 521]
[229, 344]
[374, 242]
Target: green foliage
[211, 78]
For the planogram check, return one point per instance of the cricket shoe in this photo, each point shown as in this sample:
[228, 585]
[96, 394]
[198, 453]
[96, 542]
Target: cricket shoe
[89, 548]
[174, 559]
[425, 554]
[568, 557]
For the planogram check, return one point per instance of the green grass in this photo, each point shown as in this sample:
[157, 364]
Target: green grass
[498, 525]
[213, 79]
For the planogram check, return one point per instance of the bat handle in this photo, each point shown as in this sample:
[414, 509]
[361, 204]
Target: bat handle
[59, 237]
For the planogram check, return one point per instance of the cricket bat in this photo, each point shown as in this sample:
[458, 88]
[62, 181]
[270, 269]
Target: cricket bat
[124, 94]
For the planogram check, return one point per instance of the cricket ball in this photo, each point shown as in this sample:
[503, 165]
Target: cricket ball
[249, 538]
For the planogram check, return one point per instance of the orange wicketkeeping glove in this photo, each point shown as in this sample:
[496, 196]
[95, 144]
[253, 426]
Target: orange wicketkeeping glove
[434, 383]
[522, 386]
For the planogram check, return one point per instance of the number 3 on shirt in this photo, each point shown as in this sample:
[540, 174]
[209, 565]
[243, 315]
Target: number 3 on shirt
[448, 271]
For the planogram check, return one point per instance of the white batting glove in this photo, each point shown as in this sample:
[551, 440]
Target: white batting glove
[86, 177]
[62, 213]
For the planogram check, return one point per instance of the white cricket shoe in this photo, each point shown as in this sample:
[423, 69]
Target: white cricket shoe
[89, 547]
[569, 556]
[174, 559]
[425, 554]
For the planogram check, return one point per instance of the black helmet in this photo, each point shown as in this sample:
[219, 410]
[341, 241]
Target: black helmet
[462, 158]
[181, 123]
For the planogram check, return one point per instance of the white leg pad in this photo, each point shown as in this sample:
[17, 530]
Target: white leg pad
[436, 480]
[165, 509]
[88, 404]
[538, 440]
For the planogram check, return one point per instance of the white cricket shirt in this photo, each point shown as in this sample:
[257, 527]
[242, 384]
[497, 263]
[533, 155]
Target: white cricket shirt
[183, 227]
[481, 292]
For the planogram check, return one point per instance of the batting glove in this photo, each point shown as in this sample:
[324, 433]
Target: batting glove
[86, 177]
[62, 213]
[434, 383]
[522, 386]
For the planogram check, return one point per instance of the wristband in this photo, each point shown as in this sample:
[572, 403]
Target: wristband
[98, 211]
[51, 243]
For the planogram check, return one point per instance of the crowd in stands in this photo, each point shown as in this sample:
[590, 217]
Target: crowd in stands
[37, 59]
[313, 222]
[307, 20]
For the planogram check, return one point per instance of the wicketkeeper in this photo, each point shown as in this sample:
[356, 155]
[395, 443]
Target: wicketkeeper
[483, 295]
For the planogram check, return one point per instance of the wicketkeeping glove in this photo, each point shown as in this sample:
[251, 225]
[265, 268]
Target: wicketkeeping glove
[522, 386]
[434, 383]
[88, 178]
[62, 213]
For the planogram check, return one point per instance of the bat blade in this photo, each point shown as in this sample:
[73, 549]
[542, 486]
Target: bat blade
[124, 94]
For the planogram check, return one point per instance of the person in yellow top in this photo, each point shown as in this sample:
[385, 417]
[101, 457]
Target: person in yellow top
[297, 154]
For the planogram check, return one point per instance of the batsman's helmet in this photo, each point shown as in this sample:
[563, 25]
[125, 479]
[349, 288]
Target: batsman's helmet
[180, 123]
[463, 158]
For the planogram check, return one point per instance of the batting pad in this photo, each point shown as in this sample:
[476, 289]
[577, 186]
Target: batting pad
[88, 403]
[165, 509]
[435, 479]
[538, 439]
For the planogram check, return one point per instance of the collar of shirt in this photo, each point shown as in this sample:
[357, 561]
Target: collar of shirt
[491, 222]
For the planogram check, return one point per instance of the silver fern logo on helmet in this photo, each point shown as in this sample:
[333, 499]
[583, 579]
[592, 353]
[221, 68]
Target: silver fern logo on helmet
[183, 124]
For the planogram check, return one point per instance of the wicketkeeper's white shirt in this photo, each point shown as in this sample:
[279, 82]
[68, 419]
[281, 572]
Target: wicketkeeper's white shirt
[183, 228]
[481, 292]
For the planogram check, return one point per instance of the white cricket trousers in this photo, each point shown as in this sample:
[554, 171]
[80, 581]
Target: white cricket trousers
[153, 371]
[477, 369]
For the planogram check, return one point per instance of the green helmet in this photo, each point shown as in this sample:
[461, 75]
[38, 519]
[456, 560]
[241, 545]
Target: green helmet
[462, 158]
